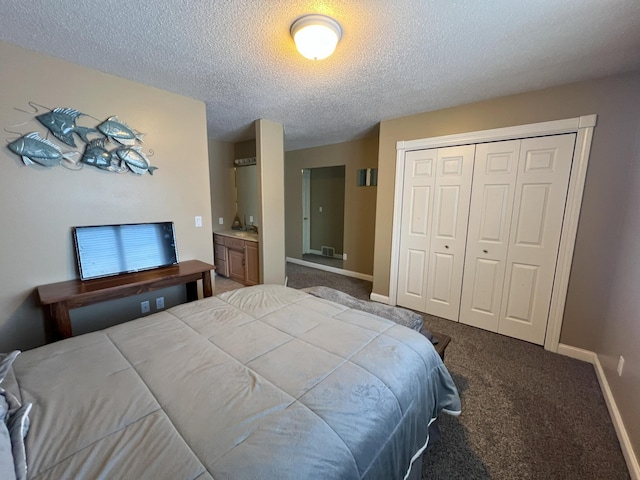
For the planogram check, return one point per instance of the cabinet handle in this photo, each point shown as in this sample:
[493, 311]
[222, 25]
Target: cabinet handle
[485, 251]
[446, 246]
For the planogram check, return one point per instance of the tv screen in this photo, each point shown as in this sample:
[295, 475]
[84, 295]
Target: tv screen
[103, 250]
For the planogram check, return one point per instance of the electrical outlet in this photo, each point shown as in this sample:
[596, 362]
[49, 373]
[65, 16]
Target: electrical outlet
[620, 365]
[250, 218]
[221, 220]
[344, 256]
[159, 303]
[145, 307]
[198, 221]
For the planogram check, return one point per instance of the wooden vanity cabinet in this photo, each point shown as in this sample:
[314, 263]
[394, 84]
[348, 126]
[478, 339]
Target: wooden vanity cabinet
[252, 276]
[237, 259]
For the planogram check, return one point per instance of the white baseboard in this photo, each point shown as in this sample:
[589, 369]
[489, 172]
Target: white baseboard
[379, 298]
[326, 268]
[577, 353]
[621, 431]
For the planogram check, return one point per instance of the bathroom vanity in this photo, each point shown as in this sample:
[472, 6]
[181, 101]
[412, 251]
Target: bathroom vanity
[236, 256]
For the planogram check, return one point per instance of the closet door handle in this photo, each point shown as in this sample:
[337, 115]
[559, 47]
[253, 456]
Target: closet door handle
[485, 251]
[446, 246]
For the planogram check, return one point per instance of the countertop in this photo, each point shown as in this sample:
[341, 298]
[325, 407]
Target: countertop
[251, 236]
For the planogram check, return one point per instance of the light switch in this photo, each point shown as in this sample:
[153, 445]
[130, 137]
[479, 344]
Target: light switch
[320, 209]
[250, 218]
[220, 220]
[198, 221]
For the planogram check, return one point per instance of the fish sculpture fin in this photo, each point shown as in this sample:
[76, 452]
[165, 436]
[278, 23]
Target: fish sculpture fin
[70, 156]
[139, 136]
[36, 136]
[97, 142]
[27, 161]
[84, 132]
[151, 170]
[68, 139]
[72, 112]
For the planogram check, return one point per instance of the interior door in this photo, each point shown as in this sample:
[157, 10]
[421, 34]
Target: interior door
[452, 194]
[493, 187]
[415, 228]
[544, 168]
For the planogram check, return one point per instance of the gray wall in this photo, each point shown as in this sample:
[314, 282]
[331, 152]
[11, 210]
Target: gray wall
[603, 284]
[40, 205]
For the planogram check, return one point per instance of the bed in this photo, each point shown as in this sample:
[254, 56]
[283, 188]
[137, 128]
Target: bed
[264, 382]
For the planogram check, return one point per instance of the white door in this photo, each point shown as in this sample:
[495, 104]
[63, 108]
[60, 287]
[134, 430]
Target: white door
[538, 210]
[493, 187]
[517, 207]
[415, 236]
[454, 171]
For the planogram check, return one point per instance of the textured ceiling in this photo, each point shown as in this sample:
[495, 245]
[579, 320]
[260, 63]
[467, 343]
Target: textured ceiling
[396, 57]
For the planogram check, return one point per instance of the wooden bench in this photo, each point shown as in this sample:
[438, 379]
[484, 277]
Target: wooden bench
[443, 341]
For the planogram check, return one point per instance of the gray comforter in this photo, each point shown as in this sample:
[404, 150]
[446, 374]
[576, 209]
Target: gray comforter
[264, 382]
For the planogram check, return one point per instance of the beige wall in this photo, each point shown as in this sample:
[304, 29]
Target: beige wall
[607, 245]
[40, 205]
[270, 162]
[359, 202]
[221, 181]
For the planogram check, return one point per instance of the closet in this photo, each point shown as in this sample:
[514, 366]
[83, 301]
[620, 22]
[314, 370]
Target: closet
[480, 231]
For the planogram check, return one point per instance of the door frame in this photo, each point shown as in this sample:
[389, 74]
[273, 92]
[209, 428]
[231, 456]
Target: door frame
[583, 128]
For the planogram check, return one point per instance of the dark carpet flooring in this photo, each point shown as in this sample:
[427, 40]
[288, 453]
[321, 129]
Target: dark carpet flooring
[526, 413]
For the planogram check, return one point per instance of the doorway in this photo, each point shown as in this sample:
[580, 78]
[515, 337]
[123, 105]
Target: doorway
[323, 215]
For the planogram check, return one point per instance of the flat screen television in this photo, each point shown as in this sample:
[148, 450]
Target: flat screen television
[104, 250]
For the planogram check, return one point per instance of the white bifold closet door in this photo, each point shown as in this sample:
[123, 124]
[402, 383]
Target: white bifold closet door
[436, 195]
[518, 197]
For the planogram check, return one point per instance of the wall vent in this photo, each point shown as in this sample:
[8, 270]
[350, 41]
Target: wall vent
[328, 251]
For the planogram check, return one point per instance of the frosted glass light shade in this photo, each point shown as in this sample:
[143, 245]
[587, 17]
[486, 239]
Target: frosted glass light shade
[316, 36]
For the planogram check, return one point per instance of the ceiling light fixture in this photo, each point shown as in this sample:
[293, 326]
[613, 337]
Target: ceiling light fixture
[316, 36]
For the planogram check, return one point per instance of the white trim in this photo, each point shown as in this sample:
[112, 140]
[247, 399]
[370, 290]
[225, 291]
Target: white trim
[583, 127]
[507, 133]
[614, 413]
[568, 237]
[326, 268]
[379, 298]
[577, 353]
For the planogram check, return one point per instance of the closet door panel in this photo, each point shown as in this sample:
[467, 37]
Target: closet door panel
[452, 194]
[540, 197]
[493, 190]
[417, 212]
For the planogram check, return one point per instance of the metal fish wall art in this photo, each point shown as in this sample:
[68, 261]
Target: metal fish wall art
[35, 149]
[96, 155]
[120, 132]
[61, 122]
[135, 160]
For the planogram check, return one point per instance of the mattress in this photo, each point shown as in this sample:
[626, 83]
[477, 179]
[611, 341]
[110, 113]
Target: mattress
[262, 382]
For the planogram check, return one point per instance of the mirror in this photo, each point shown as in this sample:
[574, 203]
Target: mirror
[247, 194]
[323, 190]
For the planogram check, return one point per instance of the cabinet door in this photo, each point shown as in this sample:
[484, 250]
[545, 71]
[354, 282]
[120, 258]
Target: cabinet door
[236, 265]
[454, 171]
[251, 263]
[494, 181]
